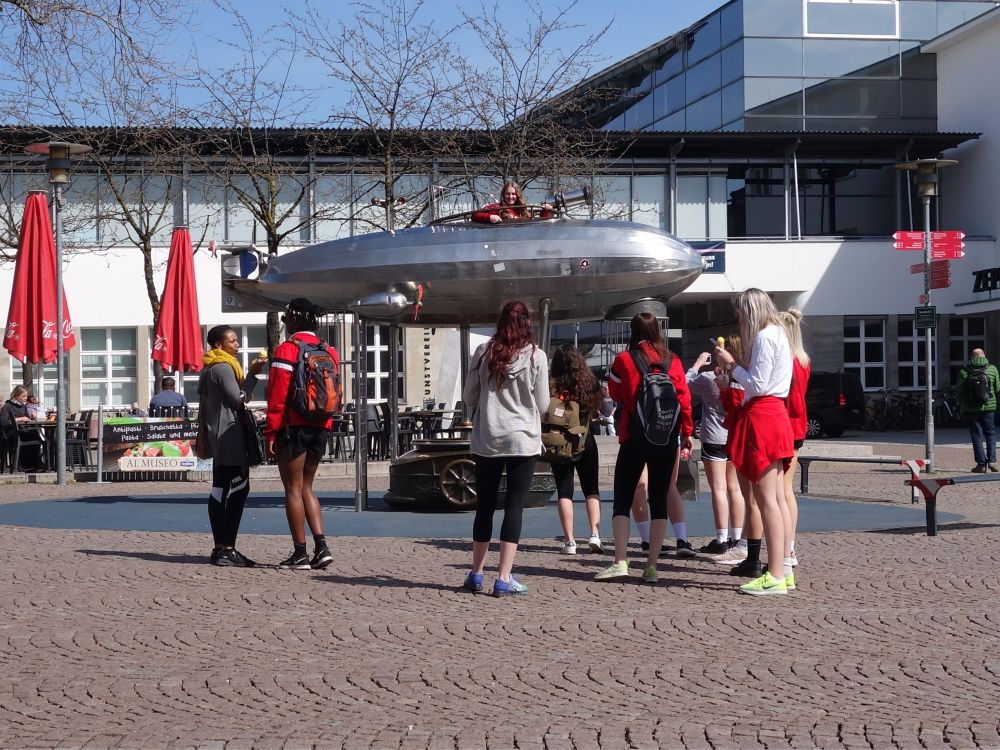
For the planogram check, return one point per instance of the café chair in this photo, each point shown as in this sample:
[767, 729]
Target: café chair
[27, 439]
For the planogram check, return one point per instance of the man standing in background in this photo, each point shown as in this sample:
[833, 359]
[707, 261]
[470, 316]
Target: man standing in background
[976, 389]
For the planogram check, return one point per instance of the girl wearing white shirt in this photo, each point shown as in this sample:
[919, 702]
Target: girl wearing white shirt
[761, 439]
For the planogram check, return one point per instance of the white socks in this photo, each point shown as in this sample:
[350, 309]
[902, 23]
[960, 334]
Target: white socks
[722, 535]
[680, 530]
[643, 527]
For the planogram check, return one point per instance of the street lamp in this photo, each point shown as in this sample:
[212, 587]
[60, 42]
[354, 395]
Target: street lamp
[59, 153]
[926, 178]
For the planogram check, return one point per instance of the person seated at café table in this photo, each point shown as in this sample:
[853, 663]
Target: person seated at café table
[168, 402]
[35, 410]
[510, 208]
[14, 412]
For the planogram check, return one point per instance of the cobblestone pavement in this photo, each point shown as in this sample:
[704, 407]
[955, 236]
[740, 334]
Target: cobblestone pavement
[131, 640]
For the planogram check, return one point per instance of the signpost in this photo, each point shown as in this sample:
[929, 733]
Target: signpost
[925, 318]
[937, 265]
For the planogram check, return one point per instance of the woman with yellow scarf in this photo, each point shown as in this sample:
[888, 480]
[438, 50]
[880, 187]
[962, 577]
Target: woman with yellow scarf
[222, 390]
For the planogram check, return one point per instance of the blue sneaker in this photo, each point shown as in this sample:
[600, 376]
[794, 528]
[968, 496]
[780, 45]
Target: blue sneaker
[473, 582]
[505, 588]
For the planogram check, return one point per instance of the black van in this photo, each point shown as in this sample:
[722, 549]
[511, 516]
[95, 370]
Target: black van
[835, 402]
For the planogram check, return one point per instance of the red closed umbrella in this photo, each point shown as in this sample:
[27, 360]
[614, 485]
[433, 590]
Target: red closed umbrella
[178, 333]
[30, 335]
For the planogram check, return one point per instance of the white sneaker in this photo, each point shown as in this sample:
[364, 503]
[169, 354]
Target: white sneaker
[595, 544]
[732, 556]
[569, 548]
[794, 561]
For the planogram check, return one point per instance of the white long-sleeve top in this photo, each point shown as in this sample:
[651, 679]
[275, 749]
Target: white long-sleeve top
[770, 370]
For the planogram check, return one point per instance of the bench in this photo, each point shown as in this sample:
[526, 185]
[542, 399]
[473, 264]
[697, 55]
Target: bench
[929, 487]
[804, 462]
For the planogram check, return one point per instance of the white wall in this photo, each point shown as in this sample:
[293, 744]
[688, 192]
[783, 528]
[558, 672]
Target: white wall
[108, 289]
[968, 93]
[842, 278]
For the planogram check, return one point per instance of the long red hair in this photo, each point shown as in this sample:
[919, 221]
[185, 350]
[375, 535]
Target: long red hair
[513, 333]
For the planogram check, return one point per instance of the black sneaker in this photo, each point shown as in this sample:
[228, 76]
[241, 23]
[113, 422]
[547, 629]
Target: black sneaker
[227, 558]
[714, 547]
[321, 559]
[295, 562]
[979, 469]
[684, 548]
[245, 561]
[748, 569]
[664, 550]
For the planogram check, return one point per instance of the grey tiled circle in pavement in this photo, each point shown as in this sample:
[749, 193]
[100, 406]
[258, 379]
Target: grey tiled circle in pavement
[128, 639]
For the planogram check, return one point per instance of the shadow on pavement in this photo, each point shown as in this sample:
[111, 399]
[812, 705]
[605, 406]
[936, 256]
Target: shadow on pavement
[921, 530]
[150, 556]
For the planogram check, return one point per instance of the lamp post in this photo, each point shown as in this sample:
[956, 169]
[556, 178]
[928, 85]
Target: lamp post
[926, 178]
[59, 153]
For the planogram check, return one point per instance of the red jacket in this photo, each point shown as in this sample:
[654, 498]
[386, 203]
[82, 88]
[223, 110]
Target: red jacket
[493, 209]
[796, 401]
[279, 385]
[623, 387]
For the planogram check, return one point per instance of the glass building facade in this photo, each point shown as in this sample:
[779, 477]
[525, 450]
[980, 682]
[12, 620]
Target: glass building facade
[779, 65]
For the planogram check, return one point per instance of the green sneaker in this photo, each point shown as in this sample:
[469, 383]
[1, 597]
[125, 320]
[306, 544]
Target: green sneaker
[615, 572]
[790, 582]
[766, 585]
[649, 574]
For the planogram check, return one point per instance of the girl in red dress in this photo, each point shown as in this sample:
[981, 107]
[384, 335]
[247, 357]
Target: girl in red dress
[792, 321]
[761, 438]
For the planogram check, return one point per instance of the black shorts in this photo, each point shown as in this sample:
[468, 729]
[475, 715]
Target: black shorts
[798, 444]
[304, 439]
[714, 452]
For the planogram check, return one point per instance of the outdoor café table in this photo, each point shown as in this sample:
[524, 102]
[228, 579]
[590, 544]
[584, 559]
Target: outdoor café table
[427, 418]
[47, 428]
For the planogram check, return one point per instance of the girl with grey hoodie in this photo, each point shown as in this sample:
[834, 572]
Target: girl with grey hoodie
[508, 389]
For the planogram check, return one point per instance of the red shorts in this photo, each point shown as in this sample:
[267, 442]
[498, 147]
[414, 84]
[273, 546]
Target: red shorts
[760, 436]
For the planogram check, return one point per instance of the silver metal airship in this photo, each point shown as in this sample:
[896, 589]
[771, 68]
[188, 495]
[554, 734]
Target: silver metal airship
[462, 272]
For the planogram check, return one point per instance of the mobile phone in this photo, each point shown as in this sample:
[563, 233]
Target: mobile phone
[709, 360]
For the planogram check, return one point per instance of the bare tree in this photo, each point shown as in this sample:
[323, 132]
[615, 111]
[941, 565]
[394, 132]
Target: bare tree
[59, 55]
[257, 143]
[404, 84]
[533, 130]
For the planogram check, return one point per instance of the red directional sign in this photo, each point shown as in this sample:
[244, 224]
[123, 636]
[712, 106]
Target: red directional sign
[941, 240]
[940, 283]
[936, 265]
[947, 253]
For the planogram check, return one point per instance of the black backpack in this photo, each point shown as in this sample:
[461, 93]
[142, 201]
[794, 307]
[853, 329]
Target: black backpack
[653, 425]
[978, 384]
[315, 388]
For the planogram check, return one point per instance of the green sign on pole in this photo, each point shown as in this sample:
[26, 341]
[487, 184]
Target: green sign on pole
[925, 317]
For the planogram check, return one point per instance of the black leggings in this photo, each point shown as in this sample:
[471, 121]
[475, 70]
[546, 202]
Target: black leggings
[230, 487]
[586, 468]
[628, 469]
[520, 470]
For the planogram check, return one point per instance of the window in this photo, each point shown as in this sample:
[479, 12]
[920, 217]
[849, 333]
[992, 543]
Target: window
[108, 366]
[701, 206]
[964, 335]
[253, 339]
[871, 19]
[377, 363]
[43, 381]
[911, 347]
[864, 350]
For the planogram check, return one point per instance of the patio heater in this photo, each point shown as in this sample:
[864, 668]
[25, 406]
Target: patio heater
[59, 153]
[926, 179]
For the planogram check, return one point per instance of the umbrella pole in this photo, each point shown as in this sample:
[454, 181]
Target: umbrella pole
[60, 355]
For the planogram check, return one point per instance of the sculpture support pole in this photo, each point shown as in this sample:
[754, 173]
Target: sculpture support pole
[464, 356]
[544, 326]
[361, 419]
[393, 409]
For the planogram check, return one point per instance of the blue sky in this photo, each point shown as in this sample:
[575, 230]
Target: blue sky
[635, 24]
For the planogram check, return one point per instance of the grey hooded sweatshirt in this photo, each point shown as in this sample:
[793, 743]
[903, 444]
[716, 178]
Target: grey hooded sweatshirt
[508, 420]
